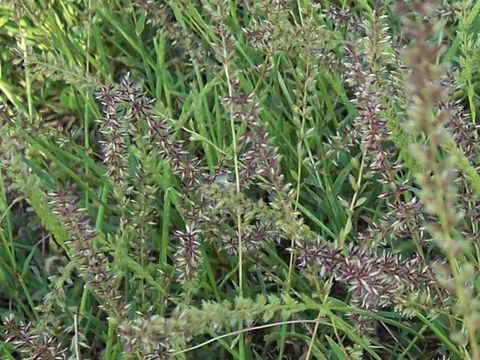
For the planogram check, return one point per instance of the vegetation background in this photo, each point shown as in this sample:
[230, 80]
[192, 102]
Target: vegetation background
[221, 179]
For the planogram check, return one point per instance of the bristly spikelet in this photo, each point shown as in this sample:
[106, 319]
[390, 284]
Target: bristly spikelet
[93, 265]
[345, 18]
[375, 281]
[369, 65]
[188, 168]
[259, 157]
[112, 127]
[188, 256]
[30, 343]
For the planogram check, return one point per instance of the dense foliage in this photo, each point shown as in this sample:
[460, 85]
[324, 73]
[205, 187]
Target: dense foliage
[219, 179]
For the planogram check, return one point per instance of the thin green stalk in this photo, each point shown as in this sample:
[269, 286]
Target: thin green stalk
[8, 244]
[165, 226]
[110, 340]
[86, 122]
[328, 284]
[237, 186]
[28, 82]
[314, 336]
[299, 173]
[76, 344]
[348, 226]
[29, 297]
[233, 333]
[101, 209]
[236, 167]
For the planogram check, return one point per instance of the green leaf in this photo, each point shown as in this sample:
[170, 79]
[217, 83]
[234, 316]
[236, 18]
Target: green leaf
[141, 23]
[339, 353]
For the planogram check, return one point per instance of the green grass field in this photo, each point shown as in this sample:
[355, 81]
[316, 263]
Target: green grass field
[239, 179]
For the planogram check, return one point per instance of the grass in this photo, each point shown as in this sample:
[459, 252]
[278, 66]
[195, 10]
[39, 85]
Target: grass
[270, 202]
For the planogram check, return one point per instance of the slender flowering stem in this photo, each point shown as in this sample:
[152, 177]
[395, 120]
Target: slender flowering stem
[313, 337]
[348, 226]
[86, 121]
[236, 166]
[299, 173]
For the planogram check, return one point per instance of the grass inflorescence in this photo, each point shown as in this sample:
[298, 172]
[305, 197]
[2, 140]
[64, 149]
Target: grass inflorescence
[216, 179]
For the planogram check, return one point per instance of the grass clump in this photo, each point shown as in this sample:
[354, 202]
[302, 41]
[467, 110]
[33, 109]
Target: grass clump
[215, 179]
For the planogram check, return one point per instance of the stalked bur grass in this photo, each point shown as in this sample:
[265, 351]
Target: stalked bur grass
[192, 225]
